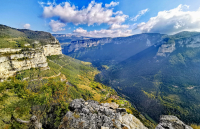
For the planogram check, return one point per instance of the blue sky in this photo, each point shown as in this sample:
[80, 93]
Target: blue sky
[102, 18]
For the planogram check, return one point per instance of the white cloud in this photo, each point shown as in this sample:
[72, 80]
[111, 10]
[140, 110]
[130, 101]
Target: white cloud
[118, 12]
[80, 30]
[142, 12]
[27, 26]
[112, 4]
[103, 33]
[94, 13]
[118, 26]
[41, 3]
[173, 21]
[56, 26]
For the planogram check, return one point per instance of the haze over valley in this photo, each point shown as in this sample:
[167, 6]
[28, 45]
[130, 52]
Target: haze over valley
[100, 64]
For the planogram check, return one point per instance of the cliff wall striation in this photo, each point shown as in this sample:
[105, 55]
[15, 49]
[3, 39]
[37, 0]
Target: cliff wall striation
[14, 60]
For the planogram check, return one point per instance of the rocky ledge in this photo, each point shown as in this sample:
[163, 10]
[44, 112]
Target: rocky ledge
[93, 115]
[14, 60]
[171, 122]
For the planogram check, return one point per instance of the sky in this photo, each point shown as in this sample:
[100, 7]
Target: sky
[102, 18]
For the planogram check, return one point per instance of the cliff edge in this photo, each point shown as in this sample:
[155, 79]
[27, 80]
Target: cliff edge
[25, 49]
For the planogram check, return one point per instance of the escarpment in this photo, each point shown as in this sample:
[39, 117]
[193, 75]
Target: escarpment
[12, 60]
[25, 49]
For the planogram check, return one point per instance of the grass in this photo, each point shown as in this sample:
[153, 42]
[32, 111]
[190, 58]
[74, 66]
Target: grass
[195, 126]
[15, 42]
[6, 116]
[76, 115]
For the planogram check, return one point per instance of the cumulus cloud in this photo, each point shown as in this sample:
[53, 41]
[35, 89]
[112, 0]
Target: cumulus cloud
[112, 4]
[102, 33]
[173, 21]
[142, 12]
[80, 30]
[27, 26]
[118, 26]
[56, 26]
[93, 13]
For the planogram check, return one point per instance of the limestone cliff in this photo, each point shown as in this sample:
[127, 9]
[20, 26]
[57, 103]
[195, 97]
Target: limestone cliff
[77, 45]
[14, 60]
[188, 42]
[53, 48]
[166, 48]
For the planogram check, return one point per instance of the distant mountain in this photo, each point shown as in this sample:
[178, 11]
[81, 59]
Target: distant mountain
[66, 38]
[110, 51]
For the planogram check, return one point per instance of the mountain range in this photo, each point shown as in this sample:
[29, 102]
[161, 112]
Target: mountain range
[158, 73]
[147, 75]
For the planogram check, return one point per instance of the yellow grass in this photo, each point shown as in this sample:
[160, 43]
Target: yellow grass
[96, 97]
[86, 63]
[195, 126]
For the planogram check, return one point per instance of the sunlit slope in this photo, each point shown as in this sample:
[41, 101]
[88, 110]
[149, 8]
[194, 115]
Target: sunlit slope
[162, 84]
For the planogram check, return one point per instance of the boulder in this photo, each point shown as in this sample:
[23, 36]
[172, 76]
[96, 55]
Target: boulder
[171, 122]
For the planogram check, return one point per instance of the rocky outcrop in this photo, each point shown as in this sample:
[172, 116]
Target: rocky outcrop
[188, 42]
[192, 42]
[93, 115]
[77, 45]
[165, 49]
[171, 122]
[10, 64]
[53, 48]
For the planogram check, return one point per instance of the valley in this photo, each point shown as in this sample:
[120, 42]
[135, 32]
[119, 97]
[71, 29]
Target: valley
[157, 73]
[99, 64]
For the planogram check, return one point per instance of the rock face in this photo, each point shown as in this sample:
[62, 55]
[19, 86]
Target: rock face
[77, 45]
[53, 48]
[13, 60]
[92, 115]
[171, 122]
[189, 42]
[166, 48]
[147, 39]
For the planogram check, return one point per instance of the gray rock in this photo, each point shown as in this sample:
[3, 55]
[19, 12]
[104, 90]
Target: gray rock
[110, 105]
[92, 115]
[102, 127]
[76, 104]
[171, 122]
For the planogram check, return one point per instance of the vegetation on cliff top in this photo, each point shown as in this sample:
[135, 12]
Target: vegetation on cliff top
[22, 38]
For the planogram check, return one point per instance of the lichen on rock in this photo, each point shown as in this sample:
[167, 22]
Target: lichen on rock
[93, 115]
